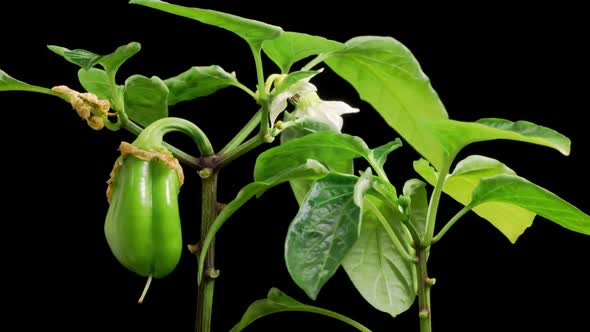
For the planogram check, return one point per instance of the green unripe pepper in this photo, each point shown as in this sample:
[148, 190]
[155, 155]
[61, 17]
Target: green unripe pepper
[142, 225]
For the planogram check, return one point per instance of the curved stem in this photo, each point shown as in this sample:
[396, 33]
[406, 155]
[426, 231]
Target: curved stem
[182, 156]
[152, 136]
[451, 222]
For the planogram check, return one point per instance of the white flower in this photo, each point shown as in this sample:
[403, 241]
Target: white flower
[278, 102]
[310, 106]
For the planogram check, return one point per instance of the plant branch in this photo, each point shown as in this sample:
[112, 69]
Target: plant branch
[450, 223]
[242, 134]
[434, 200]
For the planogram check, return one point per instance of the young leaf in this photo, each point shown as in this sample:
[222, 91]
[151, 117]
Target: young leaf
[387, 76]
[86, 59]
[250, 30]
[146, 99]
[310, 169]
[376, 267]
[362, 186]
[379, 154]
[9, 83]
[509, 219]
[416, 190]
[515, 190]
[291, 47]
[277, 301]
[328, 147]
[322, 233]
[198, 82]
[83, 58]
[96, 81]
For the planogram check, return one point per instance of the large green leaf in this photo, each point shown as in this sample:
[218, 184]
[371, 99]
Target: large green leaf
[309, 169]
[454, 135]
[512, 189]
[322, 233]
[250, 30]
[328, 147]
[86, 59]
[387, 76]
[277, 301]
[146, 99]
[9, 83]
[291, 47]
[198, 82]
[96, 81]
[376, 268]
[509, 219]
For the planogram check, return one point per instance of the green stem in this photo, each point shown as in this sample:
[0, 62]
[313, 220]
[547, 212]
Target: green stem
[424, 285]
[152, 136]
[434, 200]
[182, 156]
[209, 273]
[242, 134]
[450, 224]
[252, 143]
[262, 94]
[393, 235]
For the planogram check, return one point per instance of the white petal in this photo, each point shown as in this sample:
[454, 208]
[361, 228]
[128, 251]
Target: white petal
[279, 102]
[328, 112]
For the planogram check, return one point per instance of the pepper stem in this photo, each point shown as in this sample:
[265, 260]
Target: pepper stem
[145, 289]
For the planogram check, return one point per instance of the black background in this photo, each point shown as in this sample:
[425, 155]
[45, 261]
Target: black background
[490, 60]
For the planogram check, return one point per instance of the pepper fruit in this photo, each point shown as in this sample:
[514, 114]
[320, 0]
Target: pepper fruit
[142, 225]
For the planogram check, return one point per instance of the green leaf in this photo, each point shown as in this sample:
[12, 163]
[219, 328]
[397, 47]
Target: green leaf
[376, 268]
[323, 232]
[250, 30]
[277, 301]
[387, 76]
[416, 190]
[509, 219]
[454, 135]
[112, 62]
[309, 169]
[146, 99]
[9, 83]
[291, 47]
[96, 81]
[198, 82]
[79, 57]
[512, 189]
[328, 147]
[86, 59]
[379, 154]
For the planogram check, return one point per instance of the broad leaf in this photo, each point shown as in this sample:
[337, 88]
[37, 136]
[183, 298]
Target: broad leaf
[250, 30]
[198, 82]
[291, 47]
[509, 219]
[387, 76]
[454, 135]
[96, 81]
[376, 268]
[277, 301]
[322, 233]
[379, 154]
[86, 59]
[9, 83]
[328, 147]
[512, 189]
[310, 169]
[416, 190]
[146, 99]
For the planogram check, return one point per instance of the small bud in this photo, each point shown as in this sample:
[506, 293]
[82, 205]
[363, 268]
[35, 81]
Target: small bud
[212, 273]
[195, 249]
[204, 173]
[430, 282]
[423, 314]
